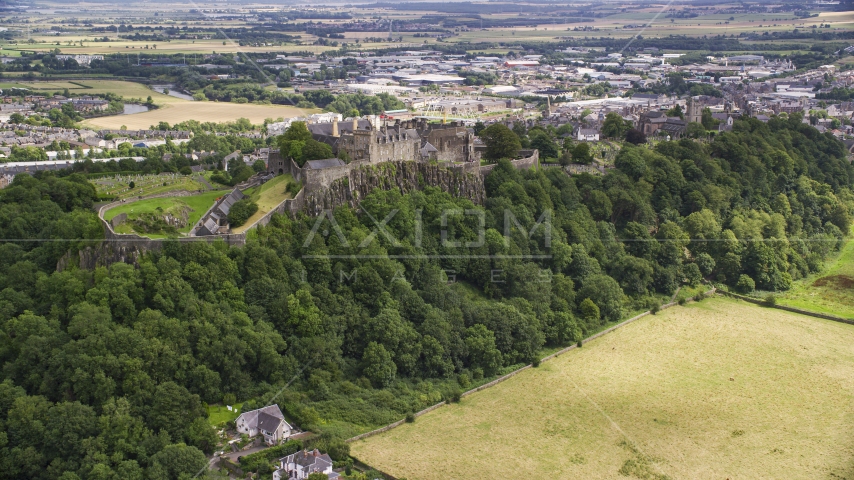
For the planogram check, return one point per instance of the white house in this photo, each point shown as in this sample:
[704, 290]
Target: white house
[298, 466]
[587, 135]
[267, 421]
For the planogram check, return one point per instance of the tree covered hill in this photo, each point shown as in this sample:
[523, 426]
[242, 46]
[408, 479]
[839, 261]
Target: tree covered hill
[105, 374]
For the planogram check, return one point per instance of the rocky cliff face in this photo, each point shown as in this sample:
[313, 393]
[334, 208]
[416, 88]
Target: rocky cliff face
[102, 255]
[404, 176]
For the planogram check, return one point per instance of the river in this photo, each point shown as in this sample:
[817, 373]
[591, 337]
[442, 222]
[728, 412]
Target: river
[172, 92]
[131, 108]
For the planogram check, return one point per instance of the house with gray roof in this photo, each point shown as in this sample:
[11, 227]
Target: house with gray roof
[225, 203]
[298, 466]
[268, 422]
[215, 221]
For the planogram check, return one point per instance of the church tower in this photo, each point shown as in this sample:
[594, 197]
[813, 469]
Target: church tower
[694, 113]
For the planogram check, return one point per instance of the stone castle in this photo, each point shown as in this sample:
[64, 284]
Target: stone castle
[367, 145]
[361, 142]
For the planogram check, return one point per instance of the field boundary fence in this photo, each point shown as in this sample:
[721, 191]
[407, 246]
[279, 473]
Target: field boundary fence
[517, 371]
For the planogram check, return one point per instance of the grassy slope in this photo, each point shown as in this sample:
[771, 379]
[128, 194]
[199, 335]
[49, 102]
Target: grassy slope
[655, 396]
[828, 291]
[268, 196]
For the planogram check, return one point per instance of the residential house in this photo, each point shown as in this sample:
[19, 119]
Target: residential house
[268, 422]
[298, 466]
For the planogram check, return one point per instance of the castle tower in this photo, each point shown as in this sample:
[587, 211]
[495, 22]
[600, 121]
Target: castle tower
[335, 127]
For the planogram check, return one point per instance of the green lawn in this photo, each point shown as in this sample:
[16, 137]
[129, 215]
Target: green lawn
[268, 196]
[199, 204]
[831, 291]
[717, 389]
[218, 414]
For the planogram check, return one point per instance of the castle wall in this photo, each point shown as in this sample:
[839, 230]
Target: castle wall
[454, 144]
[530, 160]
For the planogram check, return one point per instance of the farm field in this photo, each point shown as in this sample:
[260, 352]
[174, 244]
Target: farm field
[197, 204]
[180, 111]
[831, 291]
[128, 90]
[175, 46]
[173, 110]
[267, 196]
[717, 389]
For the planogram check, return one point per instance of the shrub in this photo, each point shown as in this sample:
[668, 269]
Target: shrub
[699, 297]
[580, 343]
[241, 211]
[681, 301]
[410, 417]
[745, 284]
[654, 308]
[770, 300]
[536, 362]
[293, 188]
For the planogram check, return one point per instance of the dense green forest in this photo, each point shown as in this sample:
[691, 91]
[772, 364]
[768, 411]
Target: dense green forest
[106, 373]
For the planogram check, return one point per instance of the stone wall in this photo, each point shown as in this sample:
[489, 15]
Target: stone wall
[530, 159]
[757, 301]
[118, 219]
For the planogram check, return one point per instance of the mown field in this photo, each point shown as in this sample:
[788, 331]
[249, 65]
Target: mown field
[719, 389]
[180, 111]
[831, 291]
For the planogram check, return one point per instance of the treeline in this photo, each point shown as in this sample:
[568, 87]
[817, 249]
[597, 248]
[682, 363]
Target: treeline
[841, 94]
[358, 104]
[106, 373]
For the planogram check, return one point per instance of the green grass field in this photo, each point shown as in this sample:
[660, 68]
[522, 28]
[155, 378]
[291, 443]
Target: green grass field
[198, 204]
[128, 90]
[831, 291]
[717, 389]
[268, 196]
